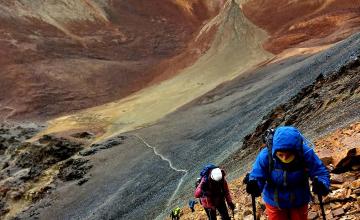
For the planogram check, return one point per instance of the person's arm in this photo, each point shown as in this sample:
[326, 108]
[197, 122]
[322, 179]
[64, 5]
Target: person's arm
[260, 169]
[198, 192]
[315, 167]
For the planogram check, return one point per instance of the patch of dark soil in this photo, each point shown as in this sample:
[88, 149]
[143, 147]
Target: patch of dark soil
[88, 152]
[111, 142]
[13, 135]
[41, 155]
[74, 169]
[3, 208]
[115, 141]
[82, 181]
[84, 134]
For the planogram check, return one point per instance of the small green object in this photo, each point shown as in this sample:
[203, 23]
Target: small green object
[177, 211]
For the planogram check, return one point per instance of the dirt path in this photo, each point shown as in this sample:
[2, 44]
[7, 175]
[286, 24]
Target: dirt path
[185, 172]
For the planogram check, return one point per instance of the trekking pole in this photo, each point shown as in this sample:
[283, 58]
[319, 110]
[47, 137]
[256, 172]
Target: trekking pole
[253, 205]
[322, 206]
[320, 201]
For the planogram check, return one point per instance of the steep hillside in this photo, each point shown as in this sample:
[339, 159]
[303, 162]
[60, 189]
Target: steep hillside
[58, 57]
[156, 165]
[236, 48]
[330, 102]
[306, 23]
[61, 56]
[148, 91]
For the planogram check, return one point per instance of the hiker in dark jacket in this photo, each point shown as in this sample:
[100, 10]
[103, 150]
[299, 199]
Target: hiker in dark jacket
[213, 190]
[284, 182]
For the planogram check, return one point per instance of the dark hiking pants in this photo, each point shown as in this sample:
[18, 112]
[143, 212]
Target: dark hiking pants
[211, 213]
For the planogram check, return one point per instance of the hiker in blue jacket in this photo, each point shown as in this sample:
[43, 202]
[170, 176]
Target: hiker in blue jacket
[284, 181]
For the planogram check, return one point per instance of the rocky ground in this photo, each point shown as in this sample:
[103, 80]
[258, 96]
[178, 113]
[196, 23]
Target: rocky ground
[342, 203]
[30, 170]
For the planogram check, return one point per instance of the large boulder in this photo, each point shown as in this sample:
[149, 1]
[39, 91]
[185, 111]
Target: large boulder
[345, 160]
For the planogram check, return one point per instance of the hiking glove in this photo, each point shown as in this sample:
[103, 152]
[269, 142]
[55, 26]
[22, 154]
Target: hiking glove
[231, 206]
[319, 188]
[252, 188]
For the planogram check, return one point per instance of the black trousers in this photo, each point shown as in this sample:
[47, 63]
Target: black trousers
[211, 213]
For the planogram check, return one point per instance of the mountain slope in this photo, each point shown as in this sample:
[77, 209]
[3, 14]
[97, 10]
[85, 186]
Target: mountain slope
[208, 129]
[61, 56]
[304, 23]
[235, 48]
[171, 85]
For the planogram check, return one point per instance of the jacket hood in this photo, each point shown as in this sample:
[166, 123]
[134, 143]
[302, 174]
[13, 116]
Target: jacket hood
[223, 173]
[287, 138]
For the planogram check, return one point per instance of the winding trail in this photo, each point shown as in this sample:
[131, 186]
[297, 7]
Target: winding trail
[170, 165]
[111, 198]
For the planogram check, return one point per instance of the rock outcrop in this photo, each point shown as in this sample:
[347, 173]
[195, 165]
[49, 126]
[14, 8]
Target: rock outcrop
[29, 169]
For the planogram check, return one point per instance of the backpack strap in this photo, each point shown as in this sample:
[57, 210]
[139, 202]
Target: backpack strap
[303, 163]
[268, 139]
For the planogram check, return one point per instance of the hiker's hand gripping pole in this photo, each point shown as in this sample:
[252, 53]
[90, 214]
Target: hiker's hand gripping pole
[252, 188]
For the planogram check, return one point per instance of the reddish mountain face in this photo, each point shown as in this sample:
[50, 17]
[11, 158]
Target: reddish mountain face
[304, 23]
[61, 56]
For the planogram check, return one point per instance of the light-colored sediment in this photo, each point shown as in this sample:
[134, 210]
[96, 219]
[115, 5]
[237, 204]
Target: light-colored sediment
[62, 11]
[57, 13]
[236, 48]
[43, 44]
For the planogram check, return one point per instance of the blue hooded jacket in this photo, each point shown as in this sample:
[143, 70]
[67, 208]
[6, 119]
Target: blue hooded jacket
[288, 188]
